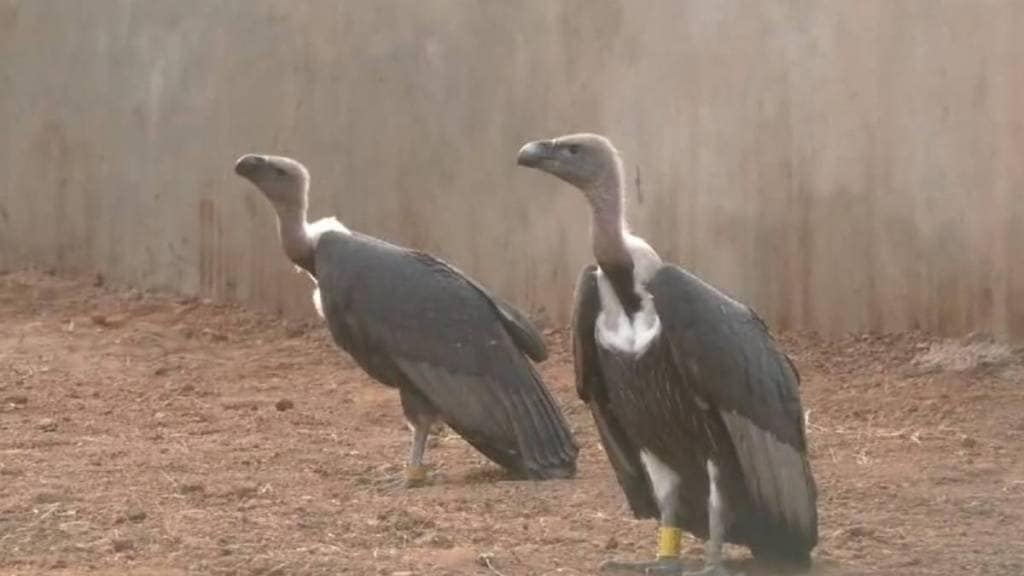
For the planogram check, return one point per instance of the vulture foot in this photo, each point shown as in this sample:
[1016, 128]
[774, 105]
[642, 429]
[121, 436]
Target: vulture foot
[415, 476]
[673, 566]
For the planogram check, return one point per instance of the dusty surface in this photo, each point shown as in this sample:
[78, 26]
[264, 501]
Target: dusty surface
[141, 434]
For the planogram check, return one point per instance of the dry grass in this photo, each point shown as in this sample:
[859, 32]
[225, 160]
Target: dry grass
[973, 353]
[140, 434]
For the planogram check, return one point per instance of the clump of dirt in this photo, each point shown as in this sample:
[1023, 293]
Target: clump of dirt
[145, 434]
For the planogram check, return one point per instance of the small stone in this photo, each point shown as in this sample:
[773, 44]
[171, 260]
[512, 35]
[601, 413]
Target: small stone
[191, 488]
[284, 404]
[16, 399]
[858, 531]
[245, 491]
[611, 543]
[11, 471]
[240, 404]
[440, 541]
[294, 329]
[135, 515]
[47, 425]
[122, 544]
[485, 559]
[112, 321]
[49, 498]
[214, 335]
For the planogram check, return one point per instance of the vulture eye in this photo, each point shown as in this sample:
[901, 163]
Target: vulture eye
[574, 149]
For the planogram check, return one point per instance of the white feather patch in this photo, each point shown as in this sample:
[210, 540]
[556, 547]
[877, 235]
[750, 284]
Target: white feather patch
[715, 498]
[664, 480]
[615, 330]
[318, 303]
[315, 229]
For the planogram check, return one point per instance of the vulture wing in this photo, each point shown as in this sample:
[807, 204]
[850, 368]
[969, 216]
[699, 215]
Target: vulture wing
[733, 362]
[518, 326]
[409, 319]
[590, 386]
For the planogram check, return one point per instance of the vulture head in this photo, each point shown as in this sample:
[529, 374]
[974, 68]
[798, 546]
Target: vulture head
[282, 180]
[285, 183]
[587, 161]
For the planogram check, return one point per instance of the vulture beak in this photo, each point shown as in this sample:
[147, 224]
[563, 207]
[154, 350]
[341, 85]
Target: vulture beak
[247, 165]
[534, 154]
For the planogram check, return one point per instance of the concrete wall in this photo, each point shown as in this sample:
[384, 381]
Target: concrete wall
[841, 165]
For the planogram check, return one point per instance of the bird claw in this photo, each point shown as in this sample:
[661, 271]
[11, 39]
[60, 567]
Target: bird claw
[399, 481]
[415, 476]
[672, 566]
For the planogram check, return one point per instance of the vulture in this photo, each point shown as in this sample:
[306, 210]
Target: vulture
[456, 353]
[696, 407]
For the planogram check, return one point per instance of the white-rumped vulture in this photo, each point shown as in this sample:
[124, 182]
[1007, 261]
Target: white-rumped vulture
[455, 352]
[697, 409]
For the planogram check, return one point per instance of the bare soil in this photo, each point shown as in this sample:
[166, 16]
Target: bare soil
[146, 434]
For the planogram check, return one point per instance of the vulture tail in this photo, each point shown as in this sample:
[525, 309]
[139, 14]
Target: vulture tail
[787, 548]
[546, 445]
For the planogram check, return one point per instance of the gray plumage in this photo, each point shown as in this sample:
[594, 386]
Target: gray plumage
[415, 323]
[697, 409]
[714, 386]
[455, 352]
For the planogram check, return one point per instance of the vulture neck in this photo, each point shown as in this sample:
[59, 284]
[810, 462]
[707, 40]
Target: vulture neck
[608, 235]
[295, 238]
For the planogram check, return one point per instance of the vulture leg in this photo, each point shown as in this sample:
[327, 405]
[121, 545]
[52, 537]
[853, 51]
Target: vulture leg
[718, 517]
[416, 472]
[420, 416]
[666, 484]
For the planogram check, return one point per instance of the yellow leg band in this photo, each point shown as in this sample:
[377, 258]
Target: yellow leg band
[668, 542]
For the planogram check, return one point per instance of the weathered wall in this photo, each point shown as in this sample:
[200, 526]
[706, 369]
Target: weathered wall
[841, 165]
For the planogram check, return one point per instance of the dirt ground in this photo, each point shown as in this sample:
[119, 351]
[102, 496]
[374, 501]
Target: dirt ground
[147, 434]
